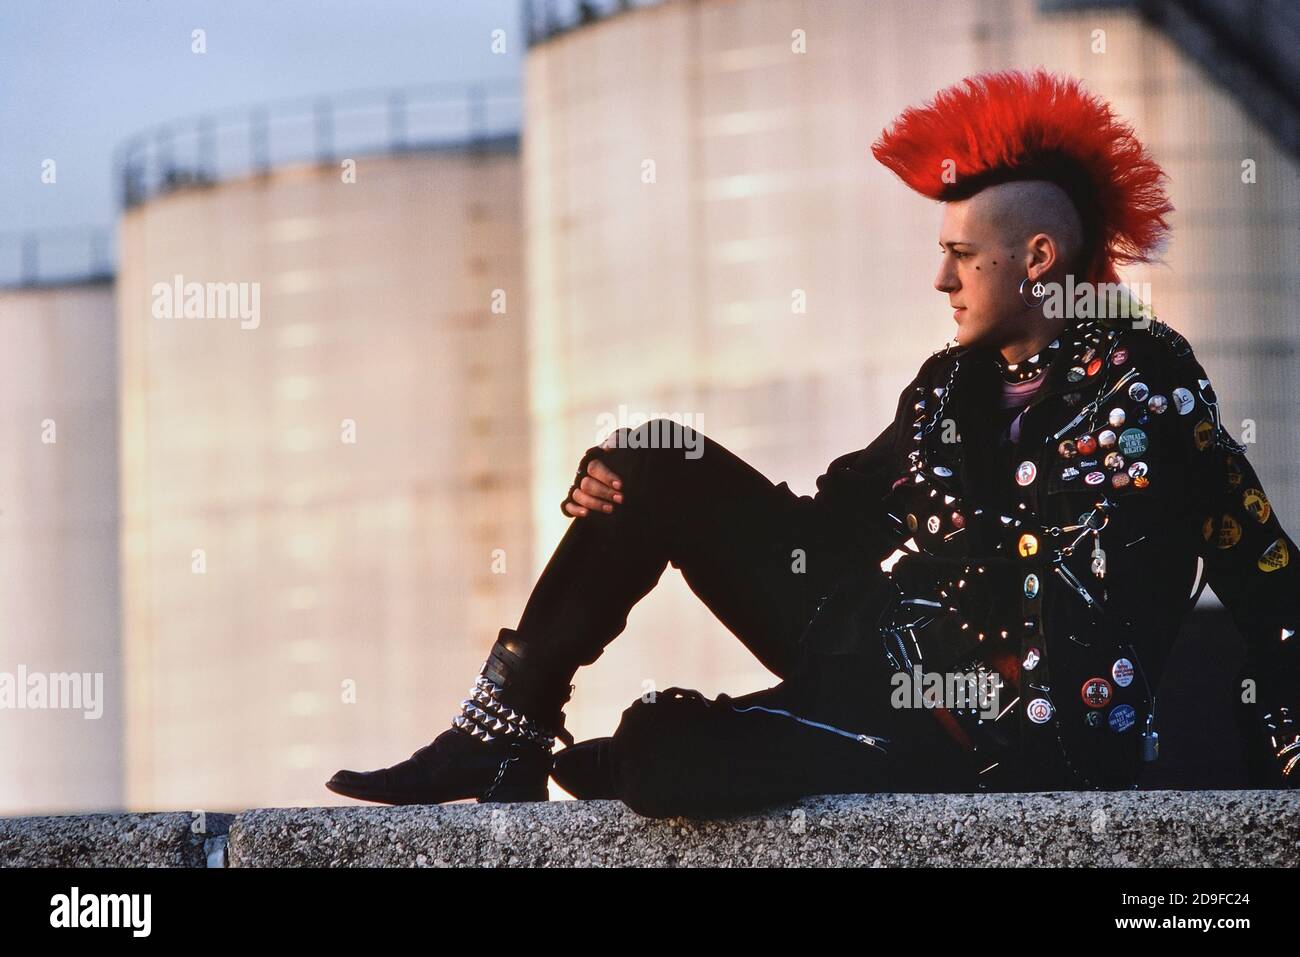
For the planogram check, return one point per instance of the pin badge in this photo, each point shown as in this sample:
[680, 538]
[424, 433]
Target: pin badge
[1075, 374]
[1229, 532]
[1086, 444]
[1028, 546]
[1116, 418]
[1121, 672]
[1157, 404]
[1256, 504]
[912, 523]
[1095, 478]
[1067, 450]
[1275, 557]
[1094, 367]
[943, 471]
[1031, 586]
[1184, 401]
[1138, 391]
[958, 520]
[1096, 692]
[1092, 719]
[1122, 717]
[1069, 473]
[1106, 438]
[1039, 711]
[1032, 657]
[933, 524]
[1234, 472]
[1114, 461]
[1133, 442]
[1119, 480]
[1141, 481]
[1203, 433]
[1026, 473]
[1137, 470]
[1119, 357]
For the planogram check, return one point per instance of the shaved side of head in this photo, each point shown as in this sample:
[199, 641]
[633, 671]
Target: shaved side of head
[1024, 208]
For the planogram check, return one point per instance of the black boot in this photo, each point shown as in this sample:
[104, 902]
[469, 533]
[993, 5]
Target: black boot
[585, 770]
[495, 750]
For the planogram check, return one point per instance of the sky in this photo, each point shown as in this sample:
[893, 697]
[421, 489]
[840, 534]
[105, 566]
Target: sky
[78, 77]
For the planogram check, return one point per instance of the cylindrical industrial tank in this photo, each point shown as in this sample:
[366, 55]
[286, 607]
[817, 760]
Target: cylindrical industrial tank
[61, 679]
[325, 496]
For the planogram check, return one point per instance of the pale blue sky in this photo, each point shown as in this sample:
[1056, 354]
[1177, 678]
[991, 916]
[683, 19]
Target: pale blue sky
[77, 77]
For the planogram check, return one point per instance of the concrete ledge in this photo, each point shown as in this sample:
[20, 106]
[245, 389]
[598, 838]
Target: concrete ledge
[112, 840]
[1072, 829]
[1118, 828]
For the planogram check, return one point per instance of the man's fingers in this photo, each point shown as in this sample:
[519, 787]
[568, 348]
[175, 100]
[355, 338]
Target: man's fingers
[590, 501]
[575, 510]
[604, 474]
[599, 489]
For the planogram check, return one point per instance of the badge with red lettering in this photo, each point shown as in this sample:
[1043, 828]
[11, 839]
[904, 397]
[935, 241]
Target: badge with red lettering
[1122, 672]
[1119, 356]
[1096, 692]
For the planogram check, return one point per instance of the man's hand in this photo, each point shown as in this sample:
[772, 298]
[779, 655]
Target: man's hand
[599, 489]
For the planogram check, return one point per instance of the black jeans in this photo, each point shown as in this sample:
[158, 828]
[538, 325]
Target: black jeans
[761, 559]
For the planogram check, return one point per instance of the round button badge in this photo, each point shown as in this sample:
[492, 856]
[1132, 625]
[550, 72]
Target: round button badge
[1026, 473]
[1039, 711]
[1121, 672]
[1096, 692]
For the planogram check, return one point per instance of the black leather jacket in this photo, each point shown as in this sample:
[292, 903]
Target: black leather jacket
[1067, 561]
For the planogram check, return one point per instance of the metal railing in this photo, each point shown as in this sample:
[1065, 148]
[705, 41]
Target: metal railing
[544, 19]
[48, 257]
[213, 147]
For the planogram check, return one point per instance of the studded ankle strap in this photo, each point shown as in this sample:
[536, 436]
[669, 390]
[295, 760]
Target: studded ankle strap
[487, 718]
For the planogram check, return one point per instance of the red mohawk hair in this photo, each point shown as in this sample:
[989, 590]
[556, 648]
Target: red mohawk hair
[1000, 127]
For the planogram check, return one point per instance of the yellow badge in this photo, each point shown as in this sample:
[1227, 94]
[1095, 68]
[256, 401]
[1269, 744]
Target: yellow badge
[1229, 532]
[1276, 557]
[1204, 434]
[1257, 505]
[1028, 546]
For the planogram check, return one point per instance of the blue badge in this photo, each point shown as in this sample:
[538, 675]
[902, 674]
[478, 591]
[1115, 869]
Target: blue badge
[1122, 717]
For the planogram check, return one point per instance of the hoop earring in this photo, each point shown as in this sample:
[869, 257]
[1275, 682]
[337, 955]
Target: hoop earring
[1037, 289]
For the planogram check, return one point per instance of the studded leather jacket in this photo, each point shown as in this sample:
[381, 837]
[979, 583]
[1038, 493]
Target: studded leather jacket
[1061, 565]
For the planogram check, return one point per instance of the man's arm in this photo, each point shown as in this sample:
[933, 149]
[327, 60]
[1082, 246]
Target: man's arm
[1250, 562]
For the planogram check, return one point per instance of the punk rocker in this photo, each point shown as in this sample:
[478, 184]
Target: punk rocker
[1058, 484]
